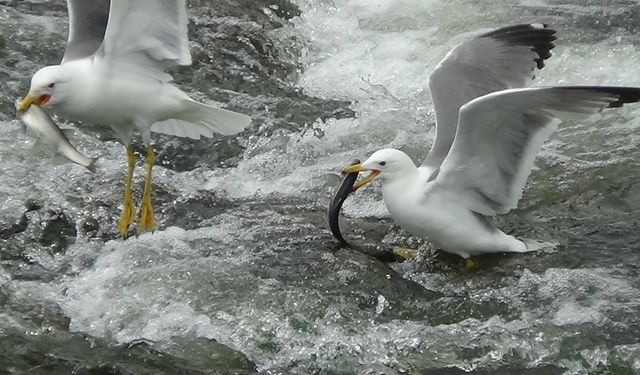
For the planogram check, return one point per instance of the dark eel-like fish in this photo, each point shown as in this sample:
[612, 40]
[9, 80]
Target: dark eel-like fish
[333, 213]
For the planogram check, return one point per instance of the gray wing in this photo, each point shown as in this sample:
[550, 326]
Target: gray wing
[148, 33]
[498, 60]
[500, 134]
[87, 25]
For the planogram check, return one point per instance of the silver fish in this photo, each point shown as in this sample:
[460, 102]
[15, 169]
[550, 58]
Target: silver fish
[38, 122]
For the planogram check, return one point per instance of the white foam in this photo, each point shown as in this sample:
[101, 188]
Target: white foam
[378, 55]
[572, 313]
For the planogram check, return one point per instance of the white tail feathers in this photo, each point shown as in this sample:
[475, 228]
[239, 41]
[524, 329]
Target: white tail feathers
[535, 245]
[201, 120]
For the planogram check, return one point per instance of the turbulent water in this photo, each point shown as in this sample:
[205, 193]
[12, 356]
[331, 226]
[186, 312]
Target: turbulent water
[243, 275]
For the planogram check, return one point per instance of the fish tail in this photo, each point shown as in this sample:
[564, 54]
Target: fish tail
[92, 165]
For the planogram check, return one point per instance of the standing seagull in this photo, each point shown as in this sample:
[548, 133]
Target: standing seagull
[488, 132]
[113, 73]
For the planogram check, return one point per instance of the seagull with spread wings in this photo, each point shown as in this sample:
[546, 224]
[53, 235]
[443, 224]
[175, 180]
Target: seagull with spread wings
[488, 132]
[114, 73]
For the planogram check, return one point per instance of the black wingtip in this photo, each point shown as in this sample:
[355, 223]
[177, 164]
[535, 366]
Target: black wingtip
[625, 94]
[537, 35]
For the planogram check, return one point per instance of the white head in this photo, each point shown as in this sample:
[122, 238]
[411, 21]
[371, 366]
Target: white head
[46, 87]
[389, 164]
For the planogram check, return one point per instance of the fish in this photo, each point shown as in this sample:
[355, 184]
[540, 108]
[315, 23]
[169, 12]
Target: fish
[36, 121]
[333, 211]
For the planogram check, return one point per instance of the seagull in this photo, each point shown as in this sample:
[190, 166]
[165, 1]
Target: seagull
[489, 129]
[113, 72]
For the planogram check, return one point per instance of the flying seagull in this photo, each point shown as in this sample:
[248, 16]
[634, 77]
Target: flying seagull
[114, 73]
[488, 132]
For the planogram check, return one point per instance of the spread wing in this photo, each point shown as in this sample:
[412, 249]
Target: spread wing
[501, 59]
[87, 25]
[149, 33]
[499, 135]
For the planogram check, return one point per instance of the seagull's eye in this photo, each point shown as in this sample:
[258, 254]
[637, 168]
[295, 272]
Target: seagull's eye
[383, 163]
[51, 85]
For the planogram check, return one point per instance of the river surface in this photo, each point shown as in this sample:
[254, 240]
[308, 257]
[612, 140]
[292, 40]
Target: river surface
[243, 275]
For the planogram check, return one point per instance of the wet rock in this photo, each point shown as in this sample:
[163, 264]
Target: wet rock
[187, 154]
[25, 269]
[32, 205]
[57, 231]
[58, 352]
[5, 279]
[90, 225]
[192, 212]
[202, 353]
[30, 235]
[12, 219]
[47, 314]
[10, 230]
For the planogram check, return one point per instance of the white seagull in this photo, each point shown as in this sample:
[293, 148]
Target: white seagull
[488, 132]
[114, 73]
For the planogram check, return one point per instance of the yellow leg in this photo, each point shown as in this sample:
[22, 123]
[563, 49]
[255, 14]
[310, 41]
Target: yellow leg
[126, 218]
[470, 264]
[147, 220]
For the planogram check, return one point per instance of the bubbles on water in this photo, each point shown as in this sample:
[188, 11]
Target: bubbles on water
[382, 304]
[571, 314]
[251, 264]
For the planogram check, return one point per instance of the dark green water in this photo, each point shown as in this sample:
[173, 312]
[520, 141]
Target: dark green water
[243, 275]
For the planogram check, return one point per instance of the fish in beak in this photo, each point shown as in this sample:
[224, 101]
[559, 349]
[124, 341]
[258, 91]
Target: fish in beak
[333, 212]
[37, 122]
[33, 99]
[358, 168]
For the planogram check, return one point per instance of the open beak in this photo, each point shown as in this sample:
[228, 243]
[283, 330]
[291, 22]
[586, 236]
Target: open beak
[364, 181]
[30, 99]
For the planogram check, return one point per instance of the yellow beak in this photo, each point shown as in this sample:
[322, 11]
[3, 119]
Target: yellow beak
[31, 99]
[364, 181]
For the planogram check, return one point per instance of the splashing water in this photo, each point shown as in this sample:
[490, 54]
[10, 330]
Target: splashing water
[243, 275]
